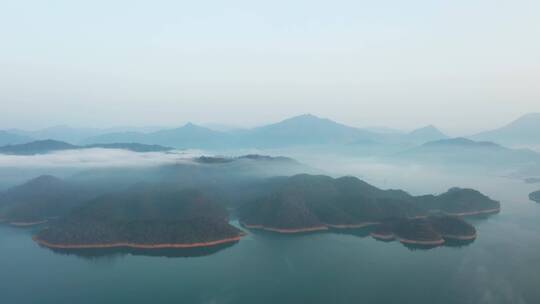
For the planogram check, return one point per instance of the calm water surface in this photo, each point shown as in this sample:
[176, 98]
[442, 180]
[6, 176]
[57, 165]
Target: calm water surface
[501, 266]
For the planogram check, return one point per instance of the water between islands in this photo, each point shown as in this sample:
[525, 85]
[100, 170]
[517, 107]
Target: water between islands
[501, 266]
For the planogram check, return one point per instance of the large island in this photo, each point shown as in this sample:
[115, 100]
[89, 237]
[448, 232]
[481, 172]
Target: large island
[144, 217]
[307, 203]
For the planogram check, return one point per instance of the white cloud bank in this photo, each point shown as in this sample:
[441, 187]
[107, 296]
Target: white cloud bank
[96, 157]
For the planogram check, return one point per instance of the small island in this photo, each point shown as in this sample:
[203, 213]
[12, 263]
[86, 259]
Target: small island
[532, 180]
[418, 232]
[383, 232]
[535, 196]
[430, 231]
[144, 217]
[308, 203]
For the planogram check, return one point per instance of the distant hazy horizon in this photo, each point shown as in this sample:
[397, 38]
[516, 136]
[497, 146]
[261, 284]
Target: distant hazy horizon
[462, 66]
[224, 127]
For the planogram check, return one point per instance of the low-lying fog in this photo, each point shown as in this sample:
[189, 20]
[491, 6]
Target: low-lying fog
[15, 169]
[413, 177]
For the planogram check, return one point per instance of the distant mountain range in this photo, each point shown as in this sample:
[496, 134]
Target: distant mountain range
[296, 131]
[188, 136]
[69, 134]
[522, 132]
[304, 130]
[8, 138]
[48, 146]
[469, 152]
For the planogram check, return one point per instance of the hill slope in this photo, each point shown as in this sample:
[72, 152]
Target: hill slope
[522, 131]
[425, 134]
[314, 202]
[300, 130]
[9, 138]
[37, 147]
[40, 199]
[188, 136]
[305, 130]
[143, 217]
[466, 152]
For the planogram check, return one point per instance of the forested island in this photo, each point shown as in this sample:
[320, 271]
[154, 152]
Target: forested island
[146, 217]
[428, 231]
[306, 203]
[535, 196]
[40, 199]
[187, 205]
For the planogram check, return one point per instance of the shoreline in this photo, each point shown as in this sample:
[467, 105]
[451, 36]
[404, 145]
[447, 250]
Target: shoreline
[384, 237]
[486, 211]
[323, 227]
[283, 230]
[415, 242]
[459, 237]
[138, 245]
[352, 226]
[27, 224]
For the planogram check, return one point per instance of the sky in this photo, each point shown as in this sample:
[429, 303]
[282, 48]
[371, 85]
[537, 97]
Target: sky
[464, 66]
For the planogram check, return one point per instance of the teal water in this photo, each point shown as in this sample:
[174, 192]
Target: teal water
[501, 266]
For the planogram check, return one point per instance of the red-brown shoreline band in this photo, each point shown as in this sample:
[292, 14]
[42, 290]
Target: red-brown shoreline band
[459, 237]
[27, 224]
[352, 226]
[309, 229]
[495, 210]
[138, 246]
[282, 230]
[415, 242]
[387, 237]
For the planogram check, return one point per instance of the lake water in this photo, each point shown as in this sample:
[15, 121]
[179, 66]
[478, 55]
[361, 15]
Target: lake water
[501, 266]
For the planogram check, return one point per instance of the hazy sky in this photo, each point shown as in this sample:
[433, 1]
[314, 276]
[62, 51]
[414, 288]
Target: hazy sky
[463, 65]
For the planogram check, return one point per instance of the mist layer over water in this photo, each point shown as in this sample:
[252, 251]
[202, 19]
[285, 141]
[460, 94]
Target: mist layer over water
[95, 157]
[16, 169]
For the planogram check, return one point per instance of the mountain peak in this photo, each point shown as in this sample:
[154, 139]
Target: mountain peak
[522, 131]
[305, 117]
[428, 128]
[427, 133]
[192, 126]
